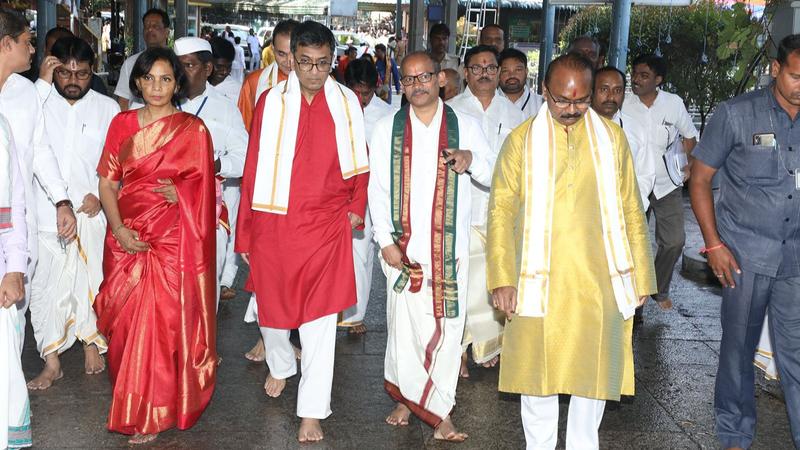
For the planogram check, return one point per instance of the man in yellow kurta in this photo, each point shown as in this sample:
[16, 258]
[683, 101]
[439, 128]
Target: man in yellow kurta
[568, 259]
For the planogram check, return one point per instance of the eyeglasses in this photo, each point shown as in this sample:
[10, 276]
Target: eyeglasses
[65, 74]
[305, 65]
[480, 70]
[422, 78]
[578, 104]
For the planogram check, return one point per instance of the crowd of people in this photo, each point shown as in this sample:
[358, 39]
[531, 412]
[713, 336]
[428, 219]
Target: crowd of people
[498, 216]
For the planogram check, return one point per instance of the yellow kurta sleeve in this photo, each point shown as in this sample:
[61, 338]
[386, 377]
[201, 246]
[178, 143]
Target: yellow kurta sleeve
[635, 221]
[505, 210]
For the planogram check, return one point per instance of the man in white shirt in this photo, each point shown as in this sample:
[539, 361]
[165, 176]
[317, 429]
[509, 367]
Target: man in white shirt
[438, 43]
[19, 103]
[607, 99]
[229, 137]
[514, 82]
[421, 215]
[362, 77]
[494, 35]
[156, 32]
[15, 422]
[238, 67]
[498, 116]
[223, 54]
[68, 276]
[255, 50]
[665, 119]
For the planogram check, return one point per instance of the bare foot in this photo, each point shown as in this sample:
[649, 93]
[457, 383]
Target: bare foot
[273, 386]
[93, 361]
[446, 431]
[297, 353]
[310, 430]
[138, 439]
[50, 373]
[358, 329]
[464, 371]
[399, 416]
[491, 363]
[257, 353]
[665, 304]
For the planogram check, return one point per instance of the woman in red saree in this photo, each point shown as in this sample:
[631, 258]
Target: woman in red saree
[157, 305]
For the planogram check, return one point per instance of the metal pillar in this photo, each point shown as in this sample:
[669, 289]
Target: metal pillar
[620, 28]
[139, 8]
[416, 27]
[45, 21]
[451, 19]
[398, 21]
[546, 46]
[181, 15]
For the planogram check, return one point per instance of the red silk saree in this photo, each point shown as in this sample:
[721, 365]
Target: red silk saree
[157, 308]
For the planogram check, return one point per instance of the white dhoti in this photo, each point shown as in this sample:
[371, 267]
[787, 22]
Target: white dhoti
[484, 323]
[251, 314]
[423, 353]
[540, 422]
[764, 359]
[227, 270]
[318, 340]
[64, 286]
[363, 258]
[15, 413]
[222, 247]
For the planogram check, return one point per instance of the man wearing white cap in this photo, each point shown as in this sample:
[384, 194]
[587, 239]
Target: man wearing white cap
[227, 133]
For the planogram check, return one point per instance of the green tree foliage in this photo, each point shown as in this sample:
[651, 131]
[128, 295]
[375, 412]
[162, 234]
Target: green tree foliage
[702, 71]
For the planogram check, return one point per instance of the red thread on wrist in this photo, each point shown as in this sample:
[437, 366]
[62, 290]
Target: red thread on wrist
[705, 250]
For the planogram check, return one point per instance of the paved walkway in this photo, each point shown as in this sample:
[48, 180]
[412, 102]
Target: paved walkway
[675, 352]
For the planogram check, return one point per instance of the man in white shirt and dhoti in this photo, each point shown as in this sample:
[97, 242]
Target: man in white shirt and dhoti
[569, 260]
[498, 116]
[15, 418]
[420, 202]
[20, 104]
[68, 276]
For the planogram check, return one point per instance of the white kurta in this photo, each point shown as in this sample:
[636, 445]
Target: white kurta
[663, 122]
[414, 335]
[15, 420]
[237, 69]
[484, 324]
[529, 102]
[643, 161]
[363, 245]
[19, 103]
[66, 281]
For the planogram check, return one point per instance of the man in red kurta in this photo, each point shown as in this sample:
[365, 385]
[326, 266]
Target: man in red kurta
[303, 191]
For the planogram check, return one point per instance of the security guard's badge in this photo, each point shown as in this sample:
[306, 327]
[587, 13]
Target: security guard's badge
[764, 140]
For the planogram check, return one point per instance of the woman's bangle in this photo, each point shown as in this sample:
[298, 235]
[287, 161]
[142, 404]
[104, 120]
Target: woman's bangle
[705, 250]
[116, 229]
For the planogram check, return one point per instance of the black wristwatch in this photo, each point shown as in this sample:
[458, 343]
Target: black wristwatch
[66, 202]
